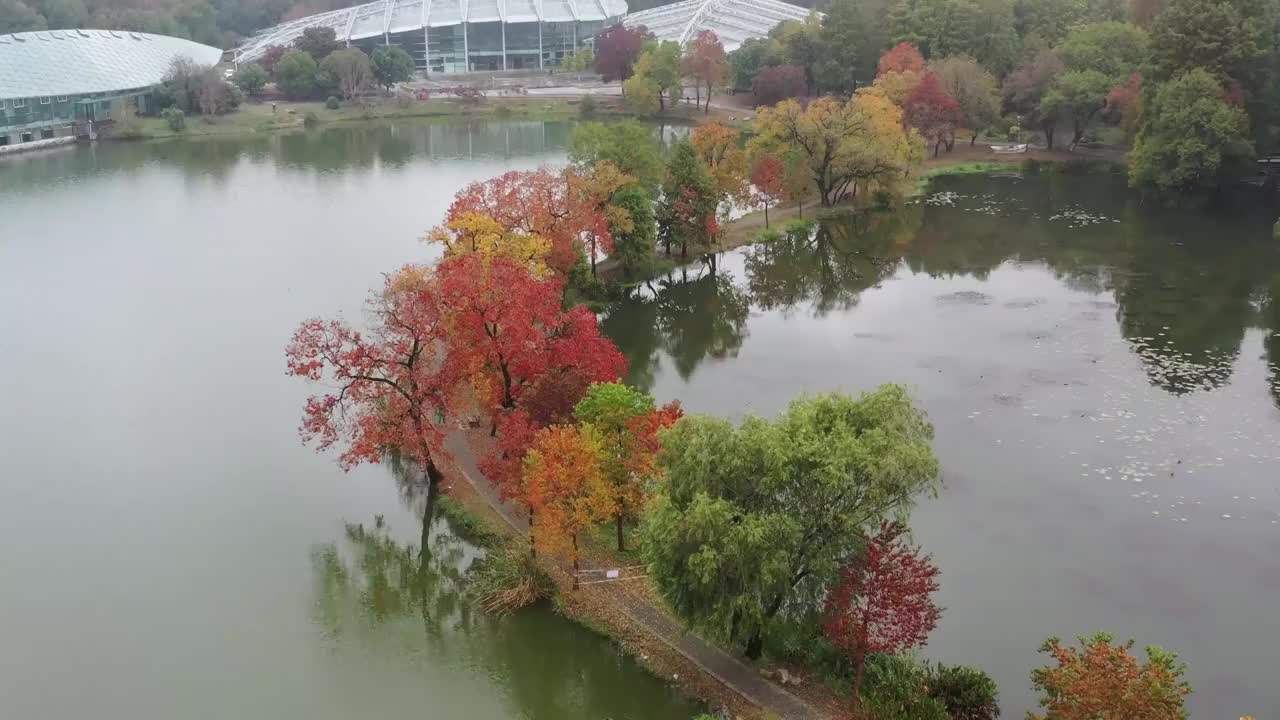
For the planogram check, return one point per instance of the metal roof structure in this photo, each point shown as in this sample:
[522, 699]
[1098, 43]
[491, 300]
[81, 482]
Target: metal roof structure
[733, 20]
[387, 17]
[78, 62]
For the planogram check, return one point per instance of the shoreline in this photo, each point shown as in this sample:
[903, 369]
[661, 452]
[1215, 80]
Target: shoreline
[256, 118]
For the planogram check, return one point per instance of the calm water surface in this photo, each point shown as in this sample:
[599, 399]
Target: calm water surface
[168, 549]
[1105, 384]
[1103, 379]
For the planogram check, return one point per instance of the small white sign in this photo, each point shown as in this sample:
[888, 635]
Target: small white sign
[612, 574]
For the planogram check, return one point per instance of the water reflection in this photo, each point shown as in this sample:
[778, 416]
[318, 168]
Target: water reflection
[374, 589]
[689, 314]
[1185, 287]
[337, 149]
[1104, 379]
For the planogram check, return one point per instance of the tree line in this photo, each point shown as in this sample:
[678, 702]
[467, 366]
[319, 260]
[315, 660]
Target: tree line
[1192, 85]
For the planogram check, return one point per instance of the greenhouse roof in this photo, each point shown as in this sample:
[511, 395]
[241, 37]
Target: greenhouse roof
[733, 20]
[76, 62]
[394, 16]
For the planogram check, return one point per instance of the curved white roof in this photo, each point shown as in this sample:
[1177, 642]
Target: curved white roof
[396, 16]
[71, 62]
[733, 20]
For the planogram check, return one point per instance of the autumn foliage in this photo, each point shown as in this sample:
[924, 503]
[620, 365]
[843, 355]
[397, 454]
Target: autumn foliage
[767, 187]
[903, 57]
[627, 423]
[706, 63]
[722, 154]
[385, 391]
[931, 111]
[882, 602]
[1100, 679]
[565, 487]
[777, 83]
[616, 50]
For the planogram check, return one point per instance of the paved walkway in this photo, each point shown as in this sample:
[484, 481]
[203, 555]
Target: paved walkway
[729, 670]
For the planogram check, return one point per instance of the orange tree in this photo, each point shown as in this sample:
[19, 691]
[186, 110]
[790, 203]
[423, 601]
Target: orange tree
[566, 489]
[627, 422]
[1100, 680]
[475, 232]
[721, 151]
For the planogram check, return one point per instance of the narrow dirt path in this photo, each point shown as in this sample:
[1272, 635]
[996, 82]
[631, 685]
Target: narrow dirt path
[727, 669]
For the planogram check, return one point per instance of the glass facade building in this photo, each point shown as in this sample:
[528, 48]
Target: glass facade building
[55, 83]
[733, 20]
[447, 36]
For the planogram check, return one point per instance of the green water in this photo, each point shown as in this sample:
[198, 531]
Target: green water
[1105, 397]
[1104, 379]
[168, 548]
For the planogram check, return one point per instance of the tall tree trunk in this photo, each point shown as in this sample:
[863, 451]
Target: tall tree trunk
[533, 549]
[861, 660]
[766, 216]
[1048, 135]
[621, 543]
[575, 560]
[697, 88]
[593, 264]
[755, 646]
[973, 138]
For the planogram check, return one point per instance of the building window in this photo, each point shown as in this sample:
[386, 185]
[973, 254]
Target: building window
[46, 100]
[62, 98]
[19, 102]
[27, 137]
[2, 105]
[46, 134]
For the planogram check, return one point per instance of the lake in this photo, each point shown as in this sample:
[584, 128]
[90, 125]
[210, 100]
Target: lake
[1104, 380]
[170, 549]
[1102, 376]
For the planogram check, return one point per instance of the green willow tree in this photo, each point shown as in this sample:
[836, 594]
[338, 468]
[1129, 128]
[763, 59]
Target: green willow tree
[751, 523]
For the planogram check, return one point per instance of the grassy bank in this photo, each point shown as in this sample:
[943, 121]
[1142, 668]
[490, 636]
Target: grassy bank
[261, 117]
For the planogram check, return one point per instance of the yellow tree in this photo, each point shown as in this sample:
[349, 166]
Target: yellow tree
[721, 151]
[591, 193]
[566, 487]
[476, 232]
[852, 145]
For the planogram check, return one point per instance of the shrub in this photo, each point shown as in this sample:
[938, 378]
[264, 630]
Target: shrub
[897, 688]
[174, 118]
[310, 120]
[508, 580]
[251, 79]
[296, 75]
[967, 693]
[331, 103]
[587, 106]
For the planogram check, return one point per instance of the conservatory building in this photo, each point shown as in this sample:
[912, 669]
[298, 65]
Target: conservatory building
[56, 84]
[446, 36]
[735, 21]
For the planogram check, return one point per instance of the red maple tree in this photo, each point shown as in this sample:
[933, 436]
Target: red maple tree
[766, 183]
[706, 62]
[932, 111]
[882, 601]
[387, 390]
[507, 329]
[903, 57]
[617, 48]
[532, 202]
